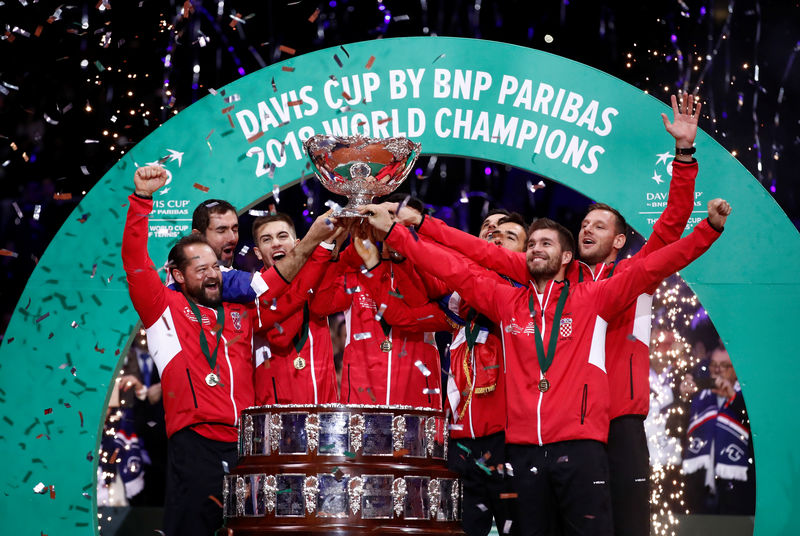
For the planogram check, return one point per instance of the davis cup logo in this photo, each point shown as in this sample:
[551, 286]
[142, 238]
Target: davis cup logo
[565, 330]
[658, 171]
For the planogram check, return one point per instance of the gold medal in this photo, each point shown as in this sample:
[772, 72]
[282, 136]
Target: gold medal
[299, 363]
[386, 346]
[212, 379]
[544, 385]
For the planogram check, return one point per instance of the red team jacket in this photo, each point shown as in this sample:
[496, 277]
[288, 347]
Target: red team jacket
[370, 375]
[278, 380]
[628, 360]
[173, 336]
[576, 405]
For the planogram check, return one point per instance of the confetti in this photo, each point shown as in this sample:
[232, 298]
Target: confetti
[384, 120]
[507, 526]
[255, 136]
[440, 56]
[482, 507]
[362, 336]
[287, 69]
[233, 98]
[288, 50]
[48, 411]
[8, 253]
[201, 187]
[455, 427]
[422, 368]
[379, 314]
[225, 467]
[432, 391]
[62, 197]
[42, 317]
[352, 290]
[40, 488]
[278, 327]
[314, 15]
[508, 495]
[337, 60]
[295, 102]
[424, 318]
[400, 18]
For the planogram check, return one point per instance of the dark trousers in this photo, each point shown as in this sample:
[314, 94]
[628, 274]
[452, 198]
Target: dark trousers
[562, 488]
[482, 491]
[629, 472]
[194, 475]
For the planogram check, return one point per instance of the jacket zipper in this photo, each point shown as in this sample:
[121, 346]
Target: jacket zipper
[630, 369]
[191, 387]
[583, 401]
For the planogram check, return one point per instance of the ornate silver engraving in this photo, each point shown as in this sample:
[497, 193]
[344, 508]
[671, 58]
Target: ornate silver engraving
[455, 494]
[241, 492]
[434, 497]
[274, 431]
[248, 434]
[430, 435]
[270, 492]
[226, 493]
[398, 495]
[312, 431]
[310, 493]
[356, 432]
[398, 432]
[355, 490]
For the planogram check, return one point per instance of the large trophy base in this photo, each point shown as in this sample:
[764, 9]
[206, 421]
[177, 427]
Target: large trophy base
[342, 470]
[353, 207]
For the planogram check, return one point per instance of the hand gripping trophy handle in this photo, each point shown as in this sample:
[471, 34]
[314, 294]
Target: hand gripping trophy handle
[359, 167]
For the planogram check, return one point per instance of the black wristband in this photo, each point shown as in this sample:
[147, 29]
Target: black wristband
[719, 230]
[140, 196]
[685, 151]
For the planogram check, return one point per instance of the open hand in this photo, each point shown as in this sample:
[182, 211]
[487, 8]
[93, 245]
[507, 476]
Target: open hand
[684, 124]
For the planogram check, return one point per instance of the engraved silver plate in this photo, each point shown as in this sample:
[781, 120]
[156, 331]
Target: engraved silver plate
[332, 501]
[312, 431]
[398, 432]
[448, 500]
[417, 504]
[377, 499]
[254, 495]
[290, 496]
[260, 435]
[293, 433]
[414, 439]
[356, 432]
[398, 496]
[310, 493]
[378, 434]
[333, 428]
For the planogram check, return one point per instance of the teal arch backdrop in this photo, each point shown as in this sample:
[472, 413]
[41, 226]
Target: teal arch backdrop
[462, 97]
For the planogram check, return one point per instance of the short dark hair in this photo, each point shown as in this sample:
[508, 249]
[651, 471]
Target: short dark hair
[202, 214]
[177, 259]
[278, 216]
[494, 211]
[413, 202]
[620, 226]
[564, 235]
[515, 217]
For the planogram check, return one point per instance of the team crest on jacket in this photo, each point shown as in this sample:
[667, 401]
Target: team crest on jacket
[237, 320]
[565, 329]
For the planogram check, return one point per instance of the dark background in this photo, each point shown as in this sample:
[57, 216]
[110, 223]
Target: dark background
[80, 84]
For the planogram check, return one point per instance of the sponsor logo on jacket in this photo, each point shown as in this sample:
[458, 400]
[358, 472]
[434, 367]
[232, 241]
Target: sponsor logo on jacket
[190, 315]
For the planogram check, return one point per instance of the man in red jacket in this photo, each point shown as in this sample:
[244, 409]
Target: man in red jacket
[554, 340]
[296, 364]
[202, 348]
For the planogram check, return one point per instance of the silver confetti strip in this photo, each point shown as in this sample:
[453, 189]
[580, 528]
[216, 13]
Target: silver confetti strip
[310, 493]
[270, 492]
[398, 432]
[356, 432]
[398, 495]
[434, 497]
[312, 431]
[241, 492]
[355, 490]
[362, 336]
[274, 431]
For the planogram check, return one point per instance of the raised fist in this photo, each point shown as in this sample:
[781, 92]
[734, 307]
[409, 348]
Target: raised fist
[148, 179]
[718, 211]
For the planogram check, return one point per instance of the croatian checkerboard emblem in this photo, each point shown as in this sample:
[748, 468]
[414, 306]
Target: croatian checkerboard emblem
[237, 320]
[565, 330]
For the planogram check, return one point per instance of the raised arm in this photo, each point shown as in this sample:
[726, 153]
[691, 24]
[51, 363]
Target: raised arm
[482, 292]
[320, 230]
[500, 260]
[616, 293]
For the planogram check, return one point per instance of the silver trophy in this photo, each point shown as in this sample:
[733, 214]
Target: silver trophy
[360, 168]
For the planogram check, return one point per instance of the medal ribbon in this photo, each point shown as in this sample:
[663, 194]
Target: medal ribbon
[545, 360]
[211, 358]
[300, 339]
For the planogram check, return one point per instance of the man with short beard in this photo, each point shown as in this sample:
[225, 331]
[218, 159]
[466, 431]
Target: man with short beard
[218, 222]
[556, 386]
[202, 348]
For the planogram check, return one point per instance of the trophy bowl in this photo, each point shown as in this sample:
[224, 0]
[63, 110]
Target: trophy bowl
[360, 167]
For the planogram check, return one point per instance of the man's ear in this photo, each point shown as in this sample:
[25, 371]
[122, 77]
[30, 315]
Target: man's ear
[619, 241]
[177, 275]
[258, 254]
[566, 257]
[296, 241]
[196, 231]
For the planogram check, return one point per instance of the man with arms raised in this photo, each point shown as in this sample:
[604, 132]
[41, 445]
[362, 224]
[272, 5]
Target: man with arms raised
[556, 386]
[202, 348]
